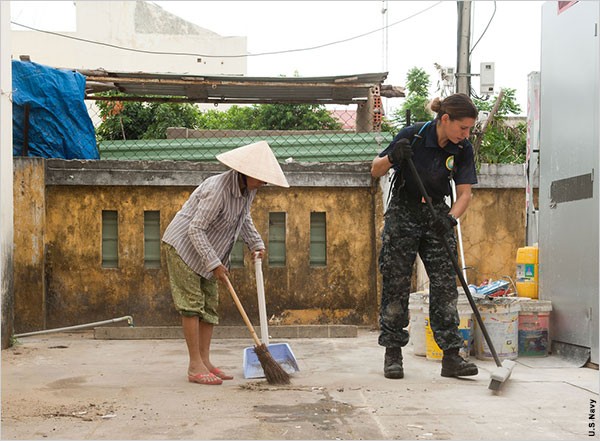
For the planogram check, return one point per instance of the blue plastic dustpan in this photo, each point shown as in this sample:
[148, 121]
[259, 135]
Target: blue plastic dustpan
[281, 353]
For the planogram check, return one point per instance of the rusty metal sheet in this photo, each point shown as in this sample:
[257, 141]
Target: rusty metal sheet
[342, 89]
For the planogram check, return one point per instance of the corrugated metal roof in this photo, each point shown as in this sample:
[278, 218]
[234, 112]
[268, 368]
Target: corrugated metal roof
[343, 89]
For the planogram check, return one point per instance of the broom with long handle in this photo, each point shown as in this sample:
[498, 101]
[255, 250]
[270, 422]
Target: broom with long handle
[504, 369]
[273, 372]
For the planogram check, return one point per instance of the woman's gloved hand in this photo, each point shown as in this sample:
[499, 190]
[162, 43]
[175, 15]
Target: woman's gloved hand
[401, 150]
[442, 224]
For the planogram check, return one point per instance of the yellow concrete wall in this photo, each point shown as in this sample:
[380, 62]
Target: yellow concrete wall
[80, 290]
[66, 284]
[493, 229]
[343, 291]
[29, 257]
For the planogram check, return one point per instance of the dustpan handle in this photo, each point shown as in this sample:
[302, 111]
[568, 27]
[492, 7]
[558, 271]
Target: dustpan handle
[241, 310]
[262, 307]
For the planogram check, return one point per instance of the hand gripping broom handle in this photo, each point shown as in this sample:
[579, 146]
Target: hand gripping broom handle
[242, 312]
[457, 268]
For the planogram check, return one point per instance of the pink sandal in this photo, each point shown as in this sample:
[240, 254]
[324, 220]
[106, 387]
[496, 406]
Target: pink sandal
[222, 375]
[204, 379]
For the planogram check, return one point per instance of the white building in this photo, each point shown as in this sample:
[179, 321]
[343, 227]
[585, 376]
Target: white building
[140, 27]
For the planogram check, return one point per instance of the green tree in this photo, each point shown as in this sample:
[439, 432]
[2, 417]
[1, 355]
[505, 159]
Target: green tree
[417, 85]
[502, 143]
[236, 117]
[508, 105]
[295, 117]
[141, 120]
[122, 120]
[137, 120]
[165, 115]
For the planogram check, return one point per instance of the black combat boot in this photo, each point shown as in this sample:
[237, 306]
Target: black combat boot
[392, 367]
[453, 365]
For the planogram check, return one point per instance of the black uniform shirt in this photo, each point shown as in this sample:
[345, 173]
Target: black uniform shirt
[435, 165]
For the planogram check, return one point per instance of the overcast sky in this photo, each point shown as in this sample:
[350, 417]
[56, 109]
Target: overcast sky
[419, 34]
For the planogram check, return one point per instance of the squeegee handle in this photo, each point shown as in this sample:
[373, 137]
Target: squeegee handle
[241, 310]
[455, 264]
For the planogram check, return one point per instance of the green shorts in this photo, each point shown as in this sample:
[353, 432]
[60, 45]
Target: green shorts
[193, 295]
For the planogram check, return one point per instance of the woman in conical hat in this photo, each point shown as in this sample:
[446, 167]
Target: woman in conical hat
[199, 241]
[257, 161]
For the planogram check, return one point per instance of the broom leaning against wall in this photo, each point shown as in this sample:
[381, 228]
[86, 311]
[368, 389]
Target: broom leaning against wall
[198, 244]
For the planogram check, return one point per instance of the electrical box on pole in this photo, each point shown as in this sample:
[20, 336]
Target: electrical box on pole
[486, 78]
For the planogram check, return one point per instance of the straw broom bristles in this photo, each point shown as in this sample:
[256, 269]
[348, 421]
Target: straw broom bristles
[274, 373]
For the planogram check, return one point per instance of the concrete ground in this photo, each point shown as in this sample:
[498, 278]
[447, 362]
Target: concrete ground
[73, 386]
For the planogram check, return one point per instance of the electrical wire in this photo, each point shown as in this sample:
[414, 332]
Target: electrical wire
[227, 56]
[485, 30]
[479, 97]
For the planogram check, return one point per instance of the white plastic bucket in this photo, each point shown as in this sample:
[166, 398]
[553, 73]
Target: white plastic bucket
[501, 319]
[418, 308]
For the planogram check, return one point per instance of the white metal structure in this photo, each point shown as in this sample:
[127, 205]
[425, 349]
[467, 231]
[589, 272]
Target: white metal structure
[569, 160]
[6, 175]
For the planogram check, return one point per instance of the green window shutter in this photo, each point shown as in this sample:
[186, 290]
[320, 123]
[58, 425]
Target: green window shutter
[152, 239]
[110, 239]
[237, 254]
[276, 251]
[318, 239]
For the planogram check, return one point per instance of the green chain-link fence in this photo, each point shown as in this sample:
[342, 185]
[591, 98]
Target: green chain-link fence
[341, 143]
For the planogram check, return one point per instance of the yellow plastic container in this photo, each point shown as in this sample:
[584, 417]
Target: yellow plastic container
[434, 352]
[527, 272]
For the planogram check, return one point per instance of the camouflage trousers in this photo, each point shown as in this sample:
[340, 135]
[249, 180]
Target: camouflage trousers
[406, 231]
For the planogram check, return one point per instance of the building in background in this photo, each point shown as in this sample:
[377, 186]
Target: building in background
[140, 28]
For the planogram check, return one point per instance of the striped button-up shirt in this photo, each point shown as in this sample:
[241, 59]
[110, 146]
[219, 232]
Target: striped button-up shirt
[205, 229]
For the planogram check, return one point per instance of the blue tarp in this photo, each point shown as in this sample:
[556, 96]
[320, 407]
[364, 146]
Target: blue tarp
[59, 123]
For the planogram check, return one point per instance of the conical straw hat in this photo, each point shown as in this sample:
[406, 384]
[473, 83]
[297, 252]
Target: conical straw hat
[257, 161]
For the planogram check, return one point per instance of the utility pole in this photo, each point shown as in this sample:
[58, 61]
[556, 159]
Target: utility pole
[463, 64]
[385, 45]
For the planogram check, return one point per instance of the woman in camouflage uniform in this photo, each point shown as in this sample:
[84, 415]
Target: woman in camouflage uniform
[440, 151]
